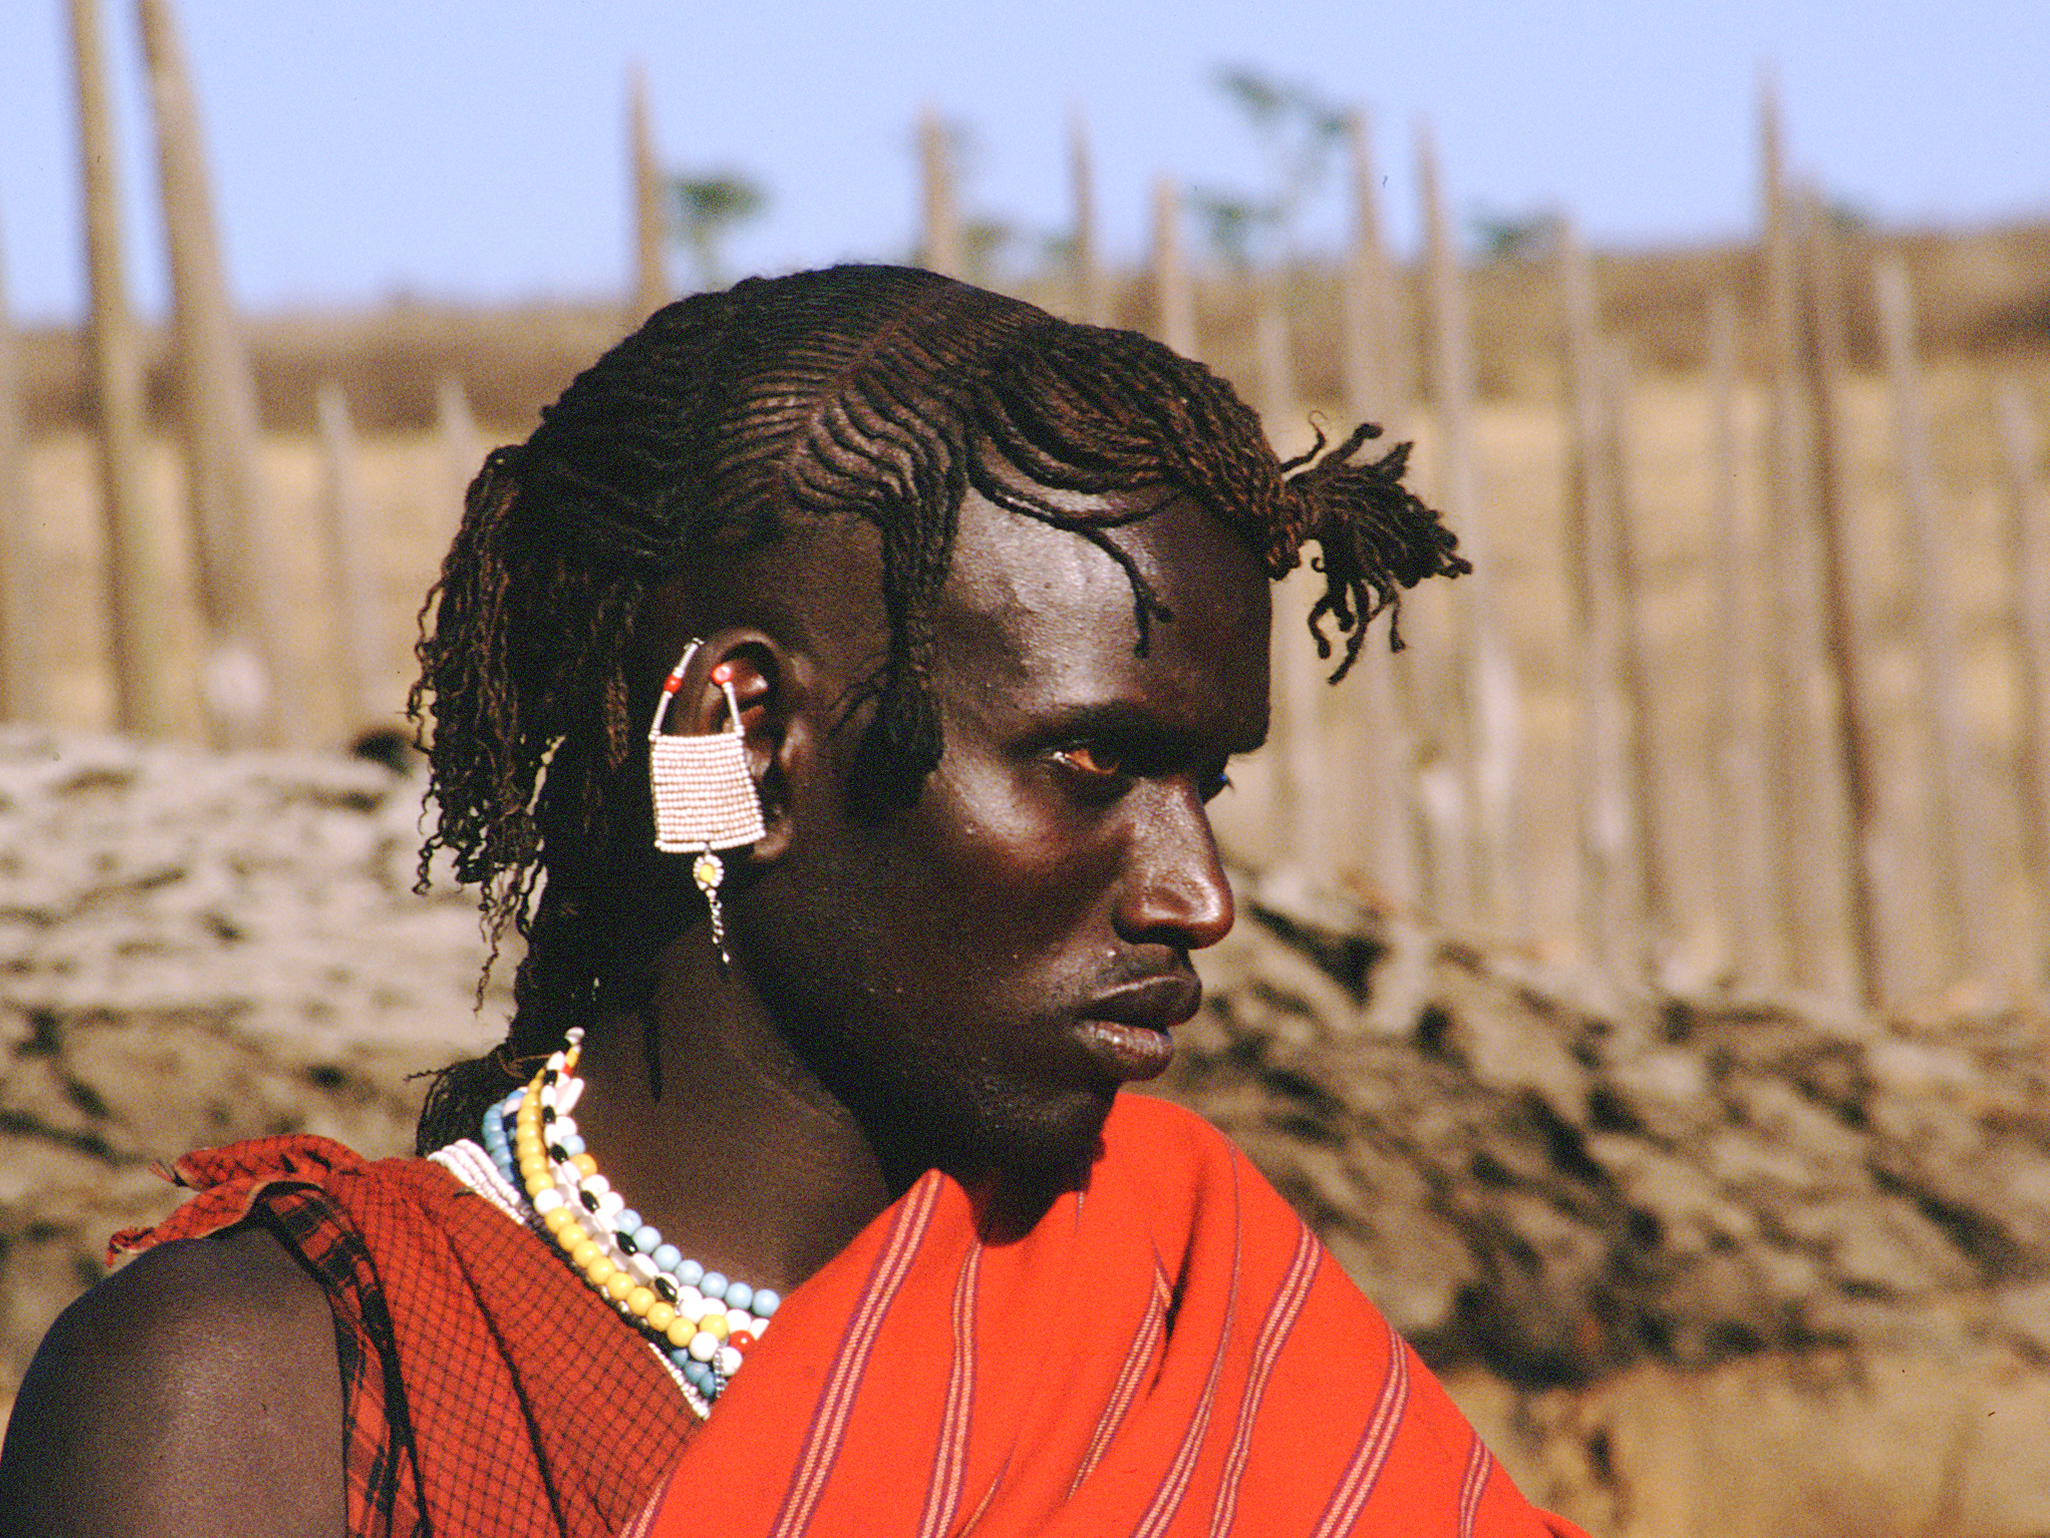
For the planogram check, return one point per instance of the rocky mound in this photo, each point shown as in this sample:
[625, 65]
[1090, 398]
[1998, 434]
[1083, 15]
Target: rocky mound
[195, 949]
[1555, 1188]
[1684, 1261]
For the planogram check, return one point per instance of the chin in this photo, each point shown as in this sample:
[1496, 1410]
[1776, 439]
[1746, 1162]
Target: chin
[1044, 1141]
[1029, 1164]
[1045, 1144]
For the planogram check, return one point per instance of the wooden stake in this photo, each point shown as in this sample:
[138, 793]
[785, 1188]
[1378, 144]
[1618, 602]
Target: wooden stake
[1652, 895]
[1444, 683]
[22, 679]
[1175, 304]
[138, 581]
[2029, 557]
[1301, 814]
[1846, 642]
[942, 218]
[1380, 736]
[1366, 354]
[1746, 883]
[1092, 301]
[1805, 786]
[462, 446]
[651, 223]
[1274, 369]
[247, 686]
[1607, 883]
[1380, 740]
[1968, 912]
[355, 611]
[1488, 683]
[1302, 811]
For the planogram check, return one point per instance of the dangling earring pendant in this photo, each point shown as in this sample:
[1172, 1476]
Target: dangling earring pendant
[708, 870]
[705, 799]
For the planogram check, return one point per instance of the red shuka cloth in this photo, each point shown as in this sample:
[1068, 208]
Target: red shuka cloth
[486, 1389]
[1170, 1351]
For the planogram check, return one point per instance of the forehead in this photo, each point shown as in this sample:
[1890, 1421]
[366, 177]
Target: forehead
[1035, 615]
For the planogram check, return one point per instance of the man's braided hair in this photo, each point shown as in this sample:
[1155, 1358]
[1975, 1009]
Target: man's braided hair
[873, 392]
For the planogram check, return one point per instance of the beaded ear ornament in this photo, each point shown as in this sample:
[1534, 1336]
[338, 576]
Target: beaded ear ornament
[705, 799]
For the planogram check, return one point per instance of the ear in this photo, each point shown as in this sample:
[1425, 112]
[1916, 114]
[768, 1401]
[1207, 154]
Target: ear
[768, 684]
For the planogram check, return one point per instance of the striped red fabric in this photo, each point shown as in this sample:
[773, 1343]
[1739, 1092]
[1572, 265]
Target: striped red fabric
[486, 1389]
[1174, 1355]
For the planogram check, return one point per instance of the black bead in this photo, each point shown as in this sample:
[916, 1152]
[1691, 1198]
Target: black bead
[665, 1287]
[549, 1076]
[625, 1241]
[590, 1201]
[558, 1153]
[547, 1115]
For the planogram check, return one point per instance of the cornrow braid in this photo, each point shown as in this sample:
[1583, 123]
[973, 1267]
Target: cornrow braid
[873, 392]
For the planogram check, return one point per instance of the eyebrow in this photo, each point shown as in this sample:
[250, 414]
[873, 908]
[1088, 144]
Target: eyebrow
[1134, 723]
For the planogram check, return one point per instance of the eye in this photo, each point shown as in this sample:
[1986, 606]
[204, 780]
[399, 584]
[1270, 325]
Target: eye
[1094, 761]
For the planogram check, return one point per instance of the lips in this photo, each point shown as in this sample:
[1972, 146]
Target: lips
[1154, 1003]
[1125, 1031]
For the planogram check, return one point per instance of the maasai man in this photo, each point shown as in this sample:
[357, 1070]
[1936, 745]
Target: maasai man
[830, 691]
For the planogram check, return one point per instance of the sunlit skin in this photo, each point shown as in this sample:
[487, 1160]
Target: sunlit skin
[966, 983]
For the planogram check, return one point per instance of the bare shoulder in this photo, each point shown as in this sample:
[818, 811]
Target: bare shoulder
[195, 1391]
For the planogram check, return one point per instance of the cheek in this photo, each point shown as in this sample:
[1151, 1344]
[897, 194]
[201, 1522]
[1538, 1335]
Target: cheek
[1004, 847]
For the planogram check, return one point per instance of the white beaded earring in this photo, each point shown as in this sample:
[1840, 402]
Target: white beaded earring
[705, 799]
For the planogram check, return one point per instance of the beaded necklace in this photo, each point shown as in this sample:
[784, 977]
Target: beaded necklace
[703, 1322]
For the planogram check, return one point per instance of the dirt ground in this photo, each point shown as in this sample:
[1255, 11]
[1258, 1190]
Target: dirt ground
[1692, 1264]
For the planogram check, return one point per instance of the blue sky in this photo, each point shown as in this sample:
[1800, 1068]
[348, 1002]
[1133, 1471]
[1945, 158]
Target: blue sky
[473, 150]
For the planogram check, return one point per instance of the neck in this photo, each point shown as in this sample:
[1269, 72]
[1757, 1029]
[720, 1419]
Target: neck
[720, 1136]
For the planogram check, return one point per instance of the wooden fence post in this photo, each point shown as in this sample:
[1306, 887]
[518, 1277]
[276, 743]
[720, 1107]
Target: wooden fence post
[1872, 865]
[1653, 895]
[1274, 370]
[22, 680]
[1381, 749]
[1487, 683]
[1746, 887]
[651, 222]
[1439, 670]
[1607, 885]
[353, 604]
[462, 446]
[1380, 738]
[2029, 558]
[942, 252]
[1301, 814]
[1969, 916]
[1174, 303]
[1805, 787]
[1092, 302]
[138, 580]
[248, 687]
[1366, 356]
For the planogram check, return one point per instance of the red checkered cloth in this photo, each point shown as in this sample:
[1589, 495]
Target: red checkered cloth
[486, 1389]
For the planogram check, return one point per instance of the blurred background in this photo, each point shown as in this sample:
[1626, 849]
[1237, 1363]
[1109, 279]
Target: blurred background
[1698, 846]
[1722, 339]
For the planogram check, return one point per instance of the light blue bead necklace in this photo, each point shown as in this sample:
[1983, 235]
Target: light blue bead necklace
[635, 1248]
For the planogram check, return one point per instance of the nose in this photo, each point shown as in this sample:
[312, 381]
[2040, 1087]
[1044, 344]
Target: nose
[1175, 891]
